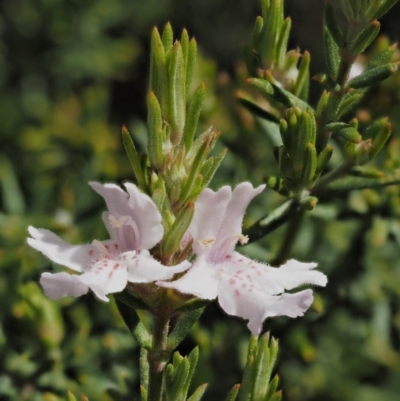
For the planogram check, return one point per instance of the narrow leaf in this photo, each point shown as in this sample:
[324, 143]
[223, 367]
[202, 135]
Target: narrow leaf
[355, 183]
[209, 173]
[155, 131]
[158, 72]
[322, 160]
[372, 76]
[232, 395]
[134, 324]
[70, 396]
[167, 37]
[349, 134]
[182, 328]
[331, 51]
[365, 38]
[173, 237]
[177, 93]
[281, 47]
[193, 115]
[134, 159]
[198, 394]
[255, 109]
[303, 78]
[277, 93]
[384, 8]
[333, 25]
[191, 60]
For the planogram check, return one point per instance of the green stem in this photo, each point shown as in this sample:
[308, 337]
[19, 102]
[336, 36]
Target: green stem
[337, 94]
[158, 358]
[331, 176]
[290, 237]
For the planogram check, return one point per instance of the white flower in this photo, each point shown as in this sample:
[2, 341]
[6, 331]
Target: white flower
[245, 288]
[357, 69]
[134, 225]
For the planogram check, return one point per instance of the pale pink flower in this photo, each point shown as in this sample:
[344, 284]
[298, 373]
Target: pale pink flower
[134, 225]
[245, 288]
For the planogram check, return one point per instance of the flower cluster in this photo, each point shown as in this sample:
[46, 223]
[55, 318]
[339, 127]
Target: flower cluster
[245, 288]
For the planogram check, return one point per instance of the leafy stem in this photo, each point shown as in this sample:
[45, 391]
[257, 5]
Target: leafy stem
[158, 357]
[292, 231]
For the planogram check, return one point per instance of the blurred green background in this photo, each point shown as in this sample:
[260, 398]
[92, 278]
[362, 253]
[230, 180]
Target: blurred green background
[71, 73]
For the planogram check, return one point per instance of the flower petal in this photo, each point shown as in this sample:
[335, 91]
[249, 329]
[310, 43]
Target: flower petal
[146, 216]
[209, 212]
[232, 224]
[139, 207]
[61, 285]
[249, 301]
[105, 277]
[116, 198]
[201, 280]
[145, 269]
[274, 280]
[76, 257]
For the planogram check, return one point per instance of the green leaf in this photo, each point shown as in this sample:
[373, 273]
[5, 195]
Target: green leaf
[198, 393]
[349, 101]
[273, 385]
[365, 38]
[278, 184]
[13, 198]
[332, 24]
[322, 160]
[382, 58]
[255, 109]
[349, 134]
[177, 93]
[372, 76]
[256, 34]
[185, 47]
[155, 131]
[173, 237]
[175, 385]
[193, 359]
[300, 88]
[331, 51]
[190, 64]
[347, 8]
[158, 71]
[277, 93]
[70, 397]
[380, 131]
[183, 327]
[261, 359]
[134, 159]
[310, 165]
[281, 47]
[322, 103]
[167, 37]
[384, 8]
[355, 183]
[195, 168]
[246, 388]
[209, 172]
[134, 324]
[232, 395]
[263, 368]
[193, 115]
[270, 32]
